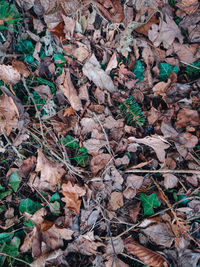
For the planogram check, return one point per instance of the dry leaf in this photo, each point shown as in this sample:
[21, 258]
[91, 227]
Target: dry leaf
[161, 88]
[44, 91]
[115, 246]
[9, 74]
[187, 117]
[166, 34]
[133, 182]
[116, 201]
[21, 67]
[69, 91]
[154, 142]
[94, 146]
[50, 172]
[160, 234]
[8, 114]
[134, 211]
[149, 257]
[170, 180]
[100, 78]
[115, 262]
[99, 162]
[188, 6]
[79, 51]
[112, 64]
[71, 196]
[185, 52]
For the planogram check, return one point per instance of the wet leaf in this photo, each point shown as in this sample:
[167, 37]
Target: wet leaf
[14, 181]
[30, 206]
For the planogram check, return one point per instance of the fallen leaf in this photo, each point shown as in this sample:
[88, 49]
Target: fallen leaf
[115, 262]
[116, 201]
[43, 91]
[170, 180]
[134, 211]
[50, 172]
[71, 196]
[112, 64]
[188, 6]
[94, 146]
[21, 67]
[115, 246]
[160, 234]
[9, 114]
[166, 35]
[149, 257]
[69, 91]
[93, 71]
[99, 162]
[9, 74]
[187, 117]
[154, 142]
[133, 183]
[78, 50]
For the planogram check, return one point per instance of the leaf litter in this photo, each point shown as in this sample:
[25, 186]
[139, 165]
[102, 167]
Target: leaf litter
[99, 125]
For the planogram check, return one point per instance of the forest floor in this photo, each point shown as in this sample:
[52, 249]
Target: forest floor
[99, 126]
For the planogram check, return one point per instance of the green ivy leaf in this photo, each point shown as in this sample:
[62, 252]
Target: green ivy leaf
[14, 181]
[12, 248]
[165, 70]
[55, 197]
[69, 141]
[26, 47]
[2, 208]
[193, 72]
[30, 206]
[59, 59]
[149, 202]
[138, 70]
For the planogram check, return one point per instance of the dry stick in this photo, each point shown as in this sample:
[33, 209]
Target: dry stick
[126, 255]
[162, 171]
[7, 255]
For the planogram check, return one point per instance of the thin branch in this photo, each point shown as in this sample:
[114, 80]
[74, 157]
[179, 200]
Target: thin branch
[163, 171]
[7, 255]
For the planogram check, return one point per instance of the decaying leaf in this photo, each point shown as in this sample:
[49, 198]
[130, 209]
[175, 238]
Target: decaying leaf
[9, 114]
[166, 35]
[116, 200]
[154, 142]
[160, 234]
[9, 74]
[93, 71]
[71, 196]
[99, 162]
[50, 172]
[170, 180]
[69, 91]
[187, 117]
[149, 257]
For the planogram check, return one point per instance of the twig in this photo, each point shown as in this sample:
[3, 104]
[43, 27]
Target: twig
[134, 259]
[162, 171]
[7, 255]
[195, 67]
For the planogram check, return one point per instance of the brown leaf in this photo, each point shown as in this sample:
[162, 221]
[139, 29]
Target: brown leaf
[115, 262]
[21, 67]
[170, 180]
[100, 78]
[9, 74]
[8, 114]
[79, 51]
[115, 246]
[133, 182]
[166, 35]
[43, 91]
[187, 117]
[161, 88]
[188, 6]
[94, 146]
[116, 201]
[112, 64]
[185, 52]
[160, 234]
[154, 142]
[134, 211]
[69, 91]
[71, 196]
[148, 256]
[50, 172]
[99, 162]
[26, 166]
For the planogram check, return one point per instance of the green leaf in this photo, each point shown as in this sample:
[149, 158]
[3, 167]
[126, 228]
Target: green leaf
[59, 59]
[30, 206]
[82, 157]
[5, 194]
[14, 181]
[192, 71]
[56, 208]
[55, 197]
[165, 70]
[6, 236]
[69, 141]
[138, 70]
[149, 202]
[26, 47]
[2, 188]
[29, 223]
[12, 248]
